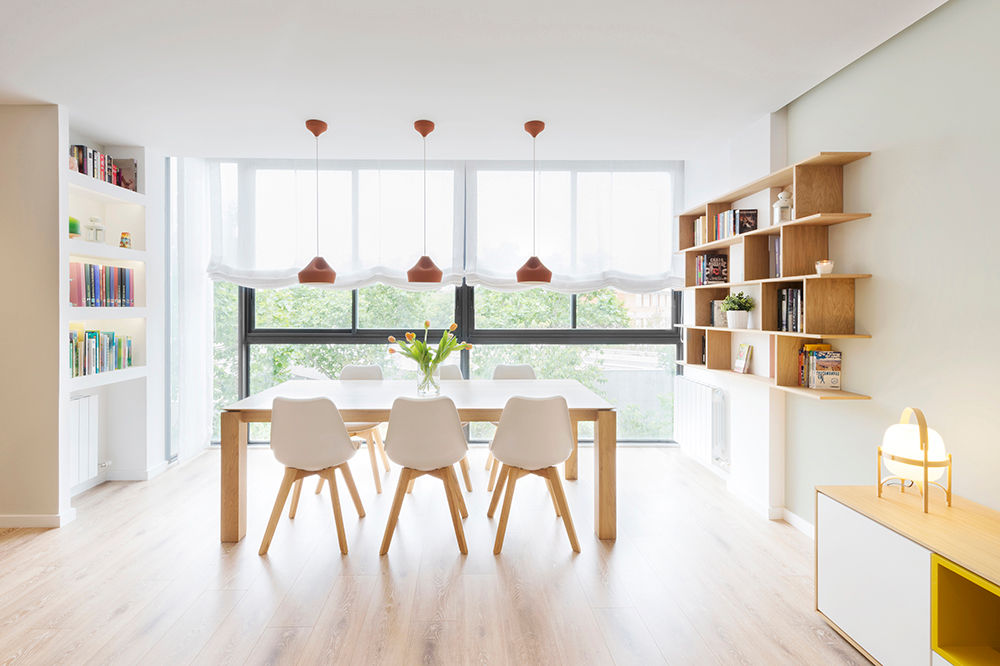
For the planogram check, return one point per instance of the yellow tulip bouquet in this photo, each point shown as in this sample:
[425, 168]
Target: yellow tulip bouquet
[428, 358]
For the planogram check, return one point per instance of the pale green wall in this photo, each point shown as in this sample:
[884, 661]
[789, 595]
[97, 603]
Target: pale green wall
[927, 105]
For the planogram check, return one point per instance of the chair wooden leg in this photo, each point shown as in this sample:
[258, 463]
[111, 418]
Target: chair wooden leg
[493, 474]
[552, 494]
[489, 461]
[345, 470]
[553, 476]
[397, 504]
[338, 517]
[371, 457]
[409, 488]
[459, 500]
[381, 448]
[512, 475]
[296, 490]
[319, 486]
[279, 504]
[451, 490]
[464, 464]
[498, 491]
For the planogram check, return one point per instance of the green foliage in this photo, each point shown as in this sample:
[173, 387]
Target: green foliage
[738, 301]
[428, 358]
[386, 307]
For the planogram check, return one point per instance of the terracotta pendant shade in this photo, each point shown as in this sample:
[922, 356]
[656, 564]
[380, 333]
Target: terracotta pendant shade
[534, 272]
[317, 272]
[425, 270]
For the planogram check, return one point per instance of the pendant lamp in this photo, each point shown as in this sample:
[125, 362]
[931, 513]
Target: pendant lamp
[533, 271]
[317, 271]
[424, 270]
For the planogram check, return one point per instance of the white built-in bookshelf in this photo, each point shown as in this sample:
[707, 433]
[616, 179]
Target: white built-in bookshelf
[127, 403]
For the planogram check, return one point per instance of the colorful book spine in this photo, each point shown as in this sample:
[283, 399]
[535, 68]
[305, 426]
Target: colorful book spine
[95, 286]
[92, 352]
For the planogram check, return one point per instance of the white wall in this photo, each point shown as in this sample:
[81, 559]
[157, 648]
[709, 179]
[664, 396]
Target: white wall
[31, 209]
[926, 105]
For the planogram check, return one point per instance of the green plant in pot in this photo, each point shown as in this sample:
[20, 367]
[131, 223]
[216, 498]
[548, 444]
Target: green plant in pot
[737, 308]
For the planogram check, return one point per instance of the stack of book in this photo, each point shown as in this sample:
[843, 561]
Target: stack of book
[819, 367]
[726, 224]
[791, 316]
[120, 172]
[711, 268]
[91, 352]
[96, 286]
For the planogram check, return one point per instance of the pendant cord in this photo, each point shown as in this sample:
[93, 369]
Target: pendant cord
[425, 196]
[534, 201]
[317, 196]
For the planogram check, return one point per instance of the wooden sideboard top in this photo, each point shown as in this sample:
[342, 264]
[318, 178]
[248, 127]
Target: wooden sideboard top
[966, 533]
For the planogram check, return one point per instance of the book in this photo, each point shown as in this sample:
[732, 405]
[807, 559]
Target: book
[746, 220]
[718, 315]
[742, 362]
[716, 268]
[93, 285]
[824, 369]
[805, 359]
[94, 351]
[127, 173]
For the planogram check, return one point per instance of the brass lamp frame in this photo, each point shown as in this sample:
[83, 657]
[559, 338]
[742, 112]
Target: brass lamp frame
[925, 463]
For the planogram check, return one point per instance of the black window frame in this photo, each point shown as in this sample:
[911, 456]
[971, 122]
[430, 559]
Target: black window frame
[465, 318]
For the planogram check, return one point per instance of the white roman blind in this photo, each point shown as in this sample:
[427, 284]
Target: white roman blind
[370, 224]
[598, 224]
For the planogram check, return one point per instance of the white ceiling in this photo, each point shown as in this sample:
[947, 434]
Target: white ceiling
[635, 79]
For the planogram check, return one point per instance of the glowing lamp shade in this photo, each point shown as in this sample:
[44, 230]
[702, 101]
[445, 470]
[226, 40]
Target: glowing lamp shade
[915, 455]
[902, 440]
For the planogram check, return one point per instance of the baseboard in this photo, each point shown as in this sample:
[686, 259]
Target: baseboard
[37, 519]
[136, 474]
[87, 485]
[798, 523]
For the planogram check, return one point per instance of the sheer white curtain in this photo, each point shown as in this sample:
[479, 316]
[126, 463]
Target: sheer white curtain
[264, 228]
[597, 224]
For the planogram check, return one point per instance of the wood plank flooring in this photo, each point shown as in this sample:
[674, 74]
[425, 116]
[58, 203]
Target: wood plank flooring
[141, 577]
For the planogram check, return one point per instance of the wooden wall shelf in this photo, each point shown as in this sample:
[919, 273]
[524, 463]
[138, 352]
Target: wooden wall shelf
[816, 186]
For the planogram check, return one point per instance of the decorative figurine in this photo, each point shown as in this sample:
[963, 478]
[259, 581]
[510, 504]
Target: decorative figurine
[126, 240]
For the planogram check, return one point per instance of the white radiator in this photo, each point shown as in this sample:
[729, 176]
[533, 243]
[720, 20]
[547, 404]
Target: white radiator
[83, 442]
[700, 422]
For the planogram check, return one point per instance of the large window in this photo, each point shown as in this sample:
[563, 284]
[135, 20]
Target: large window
[620, 345]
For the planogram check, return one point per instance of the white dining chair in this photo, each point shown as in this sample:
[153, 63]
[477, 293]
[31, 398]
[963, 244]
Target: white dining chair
[425, 438]
[533, 437]
[522, 371]
[309, 437]
[450, 373]
[368, 431]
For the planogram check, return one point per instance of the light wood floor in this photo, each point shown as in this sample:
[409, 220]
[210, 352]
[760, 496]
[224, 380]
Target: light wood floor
[140, 577]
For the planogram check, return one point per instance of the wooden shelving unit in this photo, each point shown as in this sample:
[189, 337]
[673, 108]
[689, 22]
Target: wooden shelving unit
[816, 186]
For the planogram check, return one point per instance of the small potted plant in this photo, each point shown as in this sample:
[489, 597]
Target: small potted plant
[428, 358]
[737, 308]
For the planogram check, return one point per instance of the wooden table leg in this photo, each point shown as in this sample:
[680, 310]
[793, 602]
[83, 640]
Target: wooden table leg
[571, 462]
[605, 475]
[233, 521]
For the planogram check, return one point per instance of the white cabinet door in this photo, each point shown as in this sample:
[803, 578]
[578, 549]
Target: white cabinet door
[874, 584]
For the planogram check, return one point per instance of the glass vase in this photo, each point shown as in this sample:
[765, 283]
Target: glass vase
[427, 383]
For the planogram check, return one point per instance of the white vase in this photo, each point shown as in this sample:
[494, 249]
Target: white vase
[737, 318]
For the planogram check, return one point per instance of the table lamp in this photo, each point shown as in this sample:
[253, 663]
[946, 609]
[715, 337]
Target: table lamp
[914, 452]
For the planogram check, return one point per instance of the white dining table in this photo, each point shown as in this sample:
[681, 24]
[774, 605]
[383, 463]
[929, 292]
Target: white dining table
[368, 401]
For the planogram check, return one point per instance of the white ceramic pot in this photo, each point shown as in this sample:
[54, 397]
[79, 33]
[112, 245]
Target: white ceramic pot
[737, 318]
